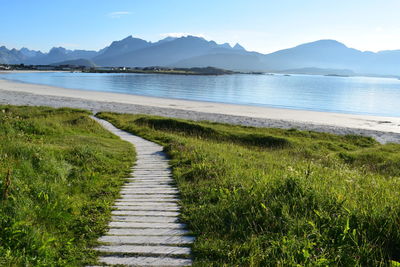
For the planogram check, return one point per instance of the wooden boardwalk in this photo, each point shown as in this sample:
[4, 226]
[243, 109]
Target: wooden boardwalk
[145, 229]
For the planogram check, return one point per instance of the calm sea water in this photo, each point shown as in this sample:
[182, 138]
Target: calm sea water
[356, 95]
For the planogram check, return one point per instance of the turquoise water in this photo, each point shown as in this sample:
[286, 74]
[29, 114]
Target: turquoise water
[354, 95]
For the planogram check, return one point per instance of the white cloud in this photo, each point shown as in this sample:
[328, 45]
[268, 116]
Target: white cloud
[181, 34]
[118, 14]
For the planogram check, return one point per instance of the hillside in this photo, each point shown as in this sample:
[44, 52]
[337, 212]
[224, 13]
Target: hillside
[274, 197]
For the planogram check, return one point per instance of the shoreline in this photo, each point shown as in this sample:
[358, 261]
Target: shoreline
[384, 129]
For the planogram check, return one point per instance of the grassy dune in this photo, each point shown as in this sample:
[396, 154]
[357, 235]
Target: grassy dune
[257, 197]
[59, 174]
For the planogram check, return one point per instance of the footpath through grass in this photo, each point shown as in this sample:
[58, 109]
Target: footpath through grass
[59, 175]
[261, 197]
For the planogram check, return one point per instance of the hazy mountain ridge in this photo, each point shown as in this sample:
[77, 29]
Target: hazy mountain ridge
[231, 61]
[30, 53]
[330, 54]
[76, 62]
[191, 51]
[57, 54]
[164, 53]
[116, 48]
[12, 56]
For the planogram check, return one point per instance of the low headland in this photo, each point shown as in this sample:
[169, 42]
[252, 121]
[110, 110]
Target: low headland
[95, 69]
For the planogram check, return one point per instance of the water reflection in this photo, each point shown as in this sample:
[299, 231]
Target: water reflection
[361, 95]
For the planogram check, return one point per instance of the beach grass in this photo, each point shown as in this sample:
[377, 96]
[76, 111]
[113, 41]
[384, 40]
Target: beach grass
[275, 197]
[59, 174]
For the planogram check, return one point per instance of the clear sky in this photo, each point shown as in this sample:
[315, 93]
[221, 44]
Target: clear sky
[258, 25]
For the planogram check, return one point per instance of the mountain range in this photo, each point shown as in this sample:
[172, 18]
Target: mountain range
[323, 56]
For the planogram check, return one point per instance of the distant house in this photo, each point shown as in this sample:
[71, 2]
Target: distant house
[5, 67]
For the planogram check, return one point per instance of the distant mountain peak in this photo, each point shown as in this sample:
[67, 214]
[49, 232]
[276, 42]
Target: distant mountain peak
[167, 39]
[226, 45]
[126, 43]
[129, 37]
[238, 47]
[24, 49]
[58, 50]
[193, 37]
[328, 43]
[30, 53]
[190, 39]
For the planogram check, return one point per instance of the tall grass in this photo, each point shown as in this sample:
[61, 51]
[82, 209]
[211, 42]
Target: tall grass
[59, 174]
[260, 197]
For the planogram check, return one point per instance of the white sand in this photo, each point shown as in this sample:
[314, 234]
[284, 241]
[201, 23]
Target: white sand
[384, 129]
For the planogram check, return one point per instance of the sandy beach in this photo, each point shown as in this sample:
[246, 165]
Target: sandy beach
[383, 129]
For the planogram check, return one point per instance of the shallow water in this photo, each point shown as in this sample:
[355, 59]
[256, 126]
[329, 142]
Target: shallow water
[355, 95]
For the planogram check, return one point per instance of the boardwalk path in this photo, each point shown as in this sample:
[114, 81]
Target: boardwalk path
[145, 230]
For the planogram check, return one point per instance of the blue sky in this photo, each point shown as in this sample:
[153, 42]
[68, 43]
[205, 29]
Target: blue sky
[259, 25]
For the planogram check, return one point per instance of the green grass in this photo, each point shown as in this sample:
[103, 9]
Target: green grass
[59, 174]
[261, 197]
